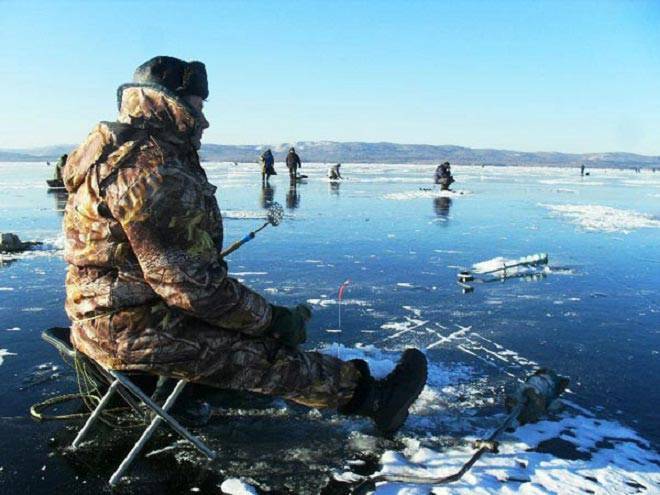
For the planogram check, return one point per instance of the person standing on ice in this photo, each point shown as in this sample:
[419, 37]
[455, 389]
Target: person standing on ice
[333, 172]
[267, 166]
[146, 287]
[293, 164]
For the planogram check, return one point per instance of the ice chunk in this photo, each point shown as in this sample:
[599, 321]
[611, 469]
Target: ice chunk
[243, 215]
[423, 193]
[576, 454]
[604, 218]
[234, 486]
[3, 353]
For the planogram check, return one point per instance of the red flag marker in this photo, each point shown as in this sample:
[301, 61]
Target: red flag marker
[340, 297]
[342, 287]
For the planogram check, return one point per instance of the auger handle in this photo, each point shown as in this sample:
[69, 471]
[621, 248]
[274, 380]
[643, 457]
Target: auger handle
[245, 239]
[237, 244]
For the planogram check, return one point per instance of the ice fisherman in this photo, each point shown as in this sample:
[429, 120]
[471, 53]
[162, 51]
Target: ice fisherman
[146, 288]
[267, 165]
[582, 170]
[293, 163]
[59, 166]
[333, 172]
[443, 176]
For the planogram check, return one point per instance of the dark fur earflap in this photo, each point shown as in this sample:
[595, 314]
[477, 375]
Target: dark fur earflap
[183, 78]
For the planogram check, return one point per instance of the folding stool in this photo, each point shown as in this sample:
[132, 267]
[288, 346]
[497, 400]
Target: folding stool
[119, 382]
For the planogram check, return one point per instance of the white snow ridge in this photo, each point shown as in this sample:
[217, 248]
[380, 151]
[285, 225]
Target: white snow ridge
[574, 453]
[597, 456]
[425, 193]
[233, 486]
[3, 353]
[604, 218]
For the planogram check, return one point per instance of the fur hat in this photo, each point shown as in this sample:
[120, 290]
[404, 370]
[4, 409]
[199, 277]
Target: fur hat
[181, 77]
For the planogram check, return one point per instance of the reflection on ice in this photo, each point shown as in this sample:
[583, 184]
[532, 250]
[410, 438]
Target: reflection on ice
[442, 205]
[293, 198]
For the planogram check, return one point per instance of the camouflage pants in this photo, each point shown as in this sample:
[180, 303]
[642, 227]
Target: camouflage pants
[167, 342]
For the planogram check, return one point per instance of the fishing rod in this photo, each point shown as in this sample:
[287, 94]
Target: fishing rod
[274, 217]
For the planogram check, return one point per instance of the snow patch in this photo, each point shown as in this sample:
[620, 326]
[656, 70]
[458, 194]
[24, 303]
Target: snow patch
[604, 218]
[408, 195]
[570, 182]
[415, 311]
[402, 327]
[243, 215]
[234, 486]
[331, 302]
[573, 455]
[383, 362]
[51, 244]
[3, 353]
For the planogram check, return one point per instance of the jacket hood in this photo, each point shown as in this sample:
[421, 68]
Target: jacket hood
[154, 107]
[143, 109]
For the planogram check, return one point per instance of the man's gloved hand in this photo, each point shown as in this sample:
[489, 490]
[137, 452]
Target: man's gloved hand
[288, 325]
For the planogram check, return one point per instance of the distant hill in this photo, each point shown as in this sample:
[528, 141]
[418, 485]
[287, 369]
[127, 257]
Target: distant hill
[358, 152]
[42, 154]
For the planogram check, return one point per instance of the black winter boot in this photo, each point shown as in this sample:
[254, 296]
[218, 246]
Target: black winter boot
[387, 401]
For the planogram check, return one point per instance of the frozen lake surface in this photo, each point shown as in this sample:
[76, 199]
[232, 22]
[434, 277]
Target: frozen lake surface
[592, 314]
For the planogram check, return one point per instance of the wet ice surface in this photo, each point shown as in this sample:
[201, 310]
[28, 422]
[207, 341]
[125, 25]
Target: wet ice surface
[592, 315]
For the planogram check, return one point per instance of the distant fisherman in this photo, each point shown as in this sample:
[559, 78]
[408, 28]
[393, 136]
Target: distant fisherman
[147, 288]
[267, 166]
[293, 163]
[333, 172]
[443, 176]
[582, 170]
[57, 173]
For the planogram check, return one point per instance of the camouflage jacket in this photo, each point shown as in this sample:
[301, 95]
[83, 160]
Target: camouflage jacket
[143, 228]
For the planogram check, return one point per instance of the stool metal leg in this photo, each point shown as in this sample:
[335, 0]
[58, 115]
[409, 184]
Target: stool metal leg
[95, 414]
[162, 415]
[139, 445]
[176, 426]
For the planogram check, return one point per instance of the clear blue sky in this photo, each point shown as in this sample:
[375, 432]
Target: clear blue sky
[564, 76]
